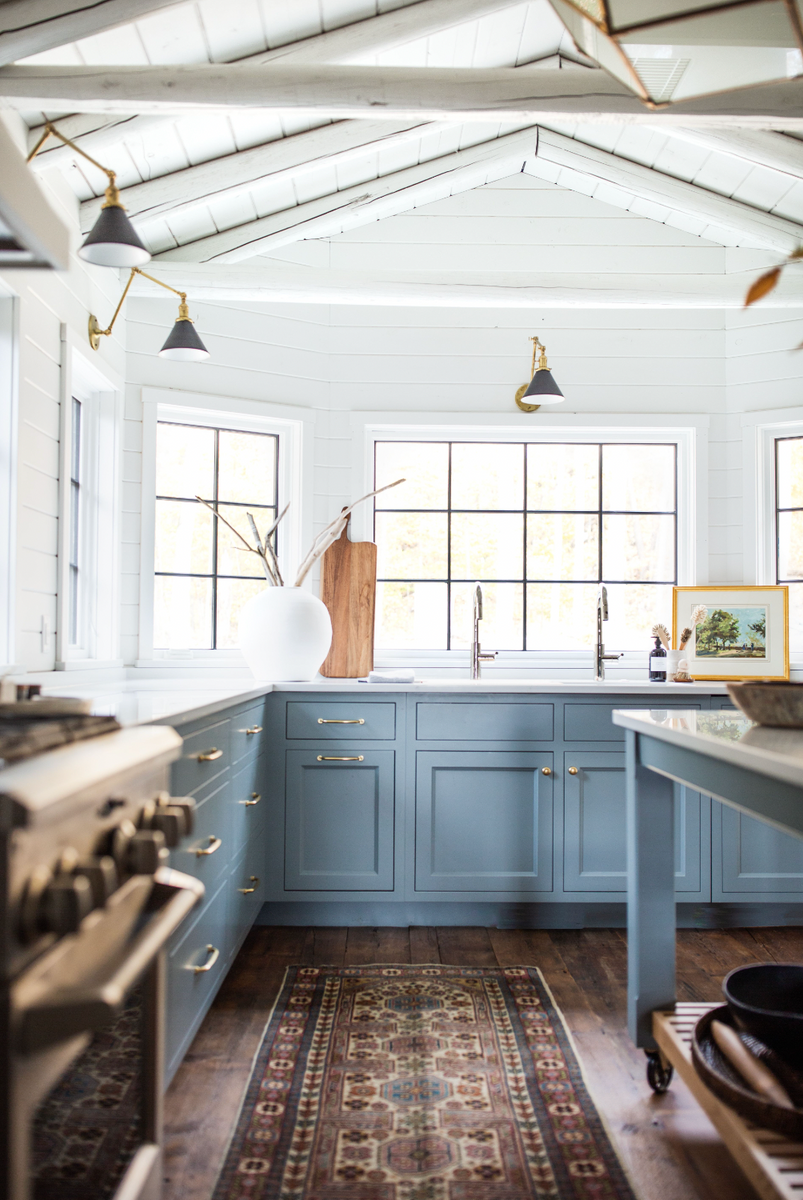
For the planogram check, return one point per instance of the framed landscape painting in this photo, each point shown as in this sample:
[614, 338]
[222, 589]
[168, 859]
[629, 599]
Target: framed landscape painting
[745, 634]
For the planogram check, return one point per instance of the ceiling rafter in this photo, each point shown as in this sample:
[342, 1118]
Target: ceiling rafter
[777, 151]
[30, 26]
[374, 35]
[394, 93]
[383, 197]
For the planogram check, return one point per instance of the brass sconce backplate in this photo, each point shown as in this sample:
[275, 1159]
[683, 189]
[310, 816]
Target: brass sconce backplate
[525, 407]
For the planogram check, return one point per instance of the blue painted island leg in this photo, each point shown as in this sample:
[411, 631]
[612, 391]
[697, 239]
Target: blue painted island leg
[650, 895]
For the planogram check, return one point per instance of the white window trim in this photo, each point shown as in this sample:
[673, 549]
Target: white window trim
[689, 433]
[101, 397]
[294, 429]
[9, 407]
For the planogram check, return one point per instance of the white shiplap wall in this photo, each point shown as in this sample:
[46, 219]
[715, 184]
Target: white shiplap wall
[49, 303]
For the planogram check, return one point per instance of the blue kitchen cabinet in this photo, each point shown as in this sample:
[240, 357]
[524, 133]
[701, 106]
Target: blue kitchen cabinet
[484, 821]
[340, 808]
[595, 850]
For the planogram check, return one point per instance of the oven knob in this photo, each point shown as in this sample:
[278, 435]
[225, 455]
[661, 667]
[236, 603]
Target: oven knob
[101, 874]
[65, 903]
[119, 842]
[31, 904]
[146, 852]
[146, 815]
[187, 806]
[172, 822]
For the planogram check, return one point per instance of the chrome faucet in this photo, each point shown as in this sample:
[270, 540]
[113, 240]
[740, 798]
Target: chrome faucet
[602, 615]
[477, 656]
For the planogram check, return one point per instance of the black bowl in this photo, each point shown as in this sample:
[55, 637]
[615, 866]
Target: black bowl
[766, 1000]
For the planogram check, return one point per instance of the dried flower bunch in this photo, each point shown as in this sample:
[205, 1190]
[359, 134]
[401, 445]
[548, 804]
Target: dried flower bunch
[264, 546]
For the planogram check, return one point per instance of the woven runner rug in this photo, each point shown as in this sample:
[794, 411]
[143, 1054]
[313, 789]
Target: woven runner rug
[418, 1083]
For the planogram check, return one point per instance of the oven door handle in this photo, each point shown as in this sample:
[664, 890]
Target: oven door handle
[53, 1014]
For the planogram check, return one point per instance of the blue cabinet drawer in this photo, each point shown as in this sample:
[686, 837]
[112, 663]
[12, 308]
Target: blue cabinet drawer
[204, 755]
[246, 891]
[248, 802]
[209, 850]
[247, 733]
[335, 721]
[195, 970]
[469, 721]
[593, 723]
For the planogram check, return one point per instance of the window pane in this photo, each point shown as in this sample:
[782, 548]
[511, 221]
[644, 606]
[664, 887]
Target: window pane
[183, 537]
[796, 614]
[247, 467]
[231, 596]
[633, 610]
[562, 546]
[185, 461]
[411, 545]
[423, 465]
[638, 547]
[487, 546]
[561, 616]
[232, 556]
[411, 616]
[790, 545]
[182, 613]
[790, 472]
[501, 627]
[487, 476]
[638, 478]
[563, 477]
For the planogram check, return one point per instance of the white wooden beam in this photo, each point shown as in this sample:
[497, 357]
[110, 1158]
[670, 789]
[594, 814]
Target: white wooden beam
[374, 35]
[397, 192]
[277, 282]
[393, 93]
[275, 162]
[757, 147]
[585, 168]
[31, 26]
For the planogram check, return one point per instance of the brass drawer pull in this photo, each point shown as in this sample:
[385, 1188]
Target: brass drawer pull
[255, 799]
[546, 770]
[210, 755]
[339, 721]
[247, 891]
[341, 757]
[214, 845]
[209, 964]
[254, 729]
[572, 770]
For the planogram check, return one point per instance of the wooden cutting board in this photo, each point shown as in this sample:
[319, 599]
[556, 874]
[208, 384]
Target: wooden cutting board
[348, 589]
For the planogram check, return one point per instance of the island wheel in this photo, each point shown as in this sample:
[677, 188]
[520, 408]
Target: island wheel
[659, 1072]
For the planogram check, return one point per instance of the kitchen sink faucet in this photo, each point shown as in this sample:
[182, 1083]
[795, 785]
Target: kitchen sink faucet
[477, 656]
[602, 615]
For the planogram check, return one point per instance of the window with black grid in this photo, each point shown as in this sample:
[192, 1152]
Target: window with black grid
[789, 529]
[203, 574]
[540, 525]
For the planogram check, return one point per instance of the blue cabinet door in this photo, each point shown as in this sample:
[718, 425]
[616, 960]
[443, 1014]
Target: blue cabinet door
[483, 821]
[750, 858]
[339, 814]
[595, 849]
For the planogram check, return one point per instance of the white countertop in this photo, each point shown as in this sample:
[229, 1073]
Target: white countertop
[182, 698]
[727, 736]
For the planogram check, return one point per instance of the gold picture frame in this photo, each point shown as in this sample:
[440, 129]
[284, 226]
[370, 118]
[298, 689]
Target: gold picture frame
[740, 647]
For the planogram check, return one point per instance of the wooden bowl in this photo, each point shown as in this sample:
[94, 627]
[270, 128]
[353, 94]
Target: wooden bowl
[777, 704]
[766, 1001]
[727, 1084]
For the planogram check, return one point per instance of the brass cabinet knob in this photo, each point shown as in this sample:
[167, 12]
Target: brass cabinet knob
[546, 770]
[254, 729]
[572, 770]
[254, 879]
[212, 847]
[210, 755]
[213, 954]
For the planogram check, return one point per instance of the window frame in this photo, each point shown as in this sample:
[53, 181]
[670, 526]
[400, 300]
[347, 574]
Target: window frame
[688, 433]
[294, 461]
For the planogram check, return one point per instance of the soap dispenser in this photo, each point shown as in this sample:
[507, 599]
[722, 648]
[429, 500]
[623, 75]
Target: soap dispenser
[658, 663]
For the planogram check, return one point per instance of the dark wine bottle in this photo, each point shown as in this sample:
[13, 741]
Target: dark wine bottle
[658, 663]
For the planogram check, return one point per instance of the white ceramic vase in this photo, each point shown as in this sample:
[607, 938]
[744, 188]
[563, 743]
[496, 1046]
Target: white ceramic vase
[285, 634]
[673, 657]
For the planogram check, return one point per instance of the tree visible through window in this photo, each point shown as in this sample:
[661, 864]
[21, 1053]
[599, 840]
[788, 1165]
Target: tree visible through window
[789, 529]
[202, 575]
[540, 526]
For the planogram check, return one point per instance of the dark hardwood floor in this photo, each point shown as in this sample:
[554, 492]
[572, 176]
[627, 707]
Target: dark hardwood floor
[668, 1145]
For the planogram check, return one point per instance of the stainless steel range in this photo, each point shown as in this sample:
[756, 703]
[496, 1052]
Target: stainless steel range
[87, 904]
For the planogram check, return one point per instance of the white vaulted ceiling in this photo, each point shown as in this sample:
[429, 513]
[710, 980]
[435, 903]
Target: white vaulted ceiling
[226, 194]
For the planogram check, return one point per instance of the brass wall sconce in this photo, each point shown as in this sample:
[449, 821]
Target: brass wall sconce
[182, 344]
[112, 241]
[542, 386]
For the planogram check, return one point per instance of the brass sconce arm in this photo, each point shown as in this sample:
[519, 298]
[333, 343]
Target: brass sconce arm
[95, 331]
[112, 193]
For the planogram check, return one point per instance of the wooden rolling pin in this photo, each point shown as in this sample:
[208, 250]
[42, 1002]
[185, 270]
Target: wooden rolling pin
[751, 1069]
